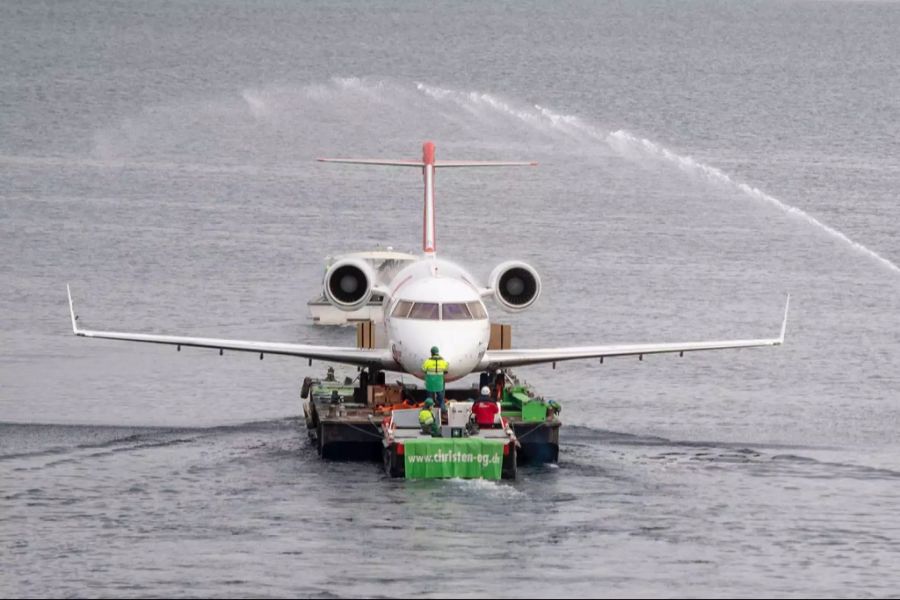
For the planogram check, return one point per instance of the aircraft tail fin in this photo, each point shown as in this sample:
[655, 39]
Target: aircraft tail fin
[428, 164]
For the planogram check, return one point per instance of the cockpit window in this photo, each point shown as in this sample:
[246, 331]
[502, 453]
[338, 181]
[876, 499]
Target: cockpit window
[455, 312]
[402, 309]
[432, 311]
[477, 310]
[425, 310]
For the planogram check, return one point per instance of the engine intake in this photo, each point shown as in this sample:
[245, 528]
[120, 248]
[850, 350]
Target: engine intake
[516, 285]
[348, 284]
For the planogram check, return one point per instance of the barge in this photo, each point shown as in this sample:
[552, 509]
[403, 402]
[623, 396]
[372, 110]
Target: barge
[352, 419]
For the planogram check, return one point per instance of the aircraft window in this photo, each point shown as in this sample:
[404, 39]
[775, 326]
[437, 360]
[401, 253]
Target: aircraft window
[425, 310]
[401, 309]
[455, 312]
[477, 310]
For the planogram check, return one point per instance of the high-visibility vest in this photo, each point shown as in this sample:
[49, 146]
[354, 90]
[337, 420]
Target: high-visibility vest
[426, 417]
[435, 364]
[434, 368]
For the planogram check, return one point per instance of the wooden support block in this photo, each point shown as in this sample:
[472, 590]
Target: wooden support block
[501, 337]
[365, 335]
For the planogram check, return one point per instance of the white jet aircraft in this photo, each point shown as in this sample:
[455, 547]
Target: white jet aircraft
[431, 302]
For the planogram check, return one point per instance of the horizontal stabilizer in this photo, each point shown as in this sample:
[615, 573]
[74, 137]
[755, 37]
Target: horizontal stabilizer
[484, 163]
[428, 164]
[438, 163]
[375, 161]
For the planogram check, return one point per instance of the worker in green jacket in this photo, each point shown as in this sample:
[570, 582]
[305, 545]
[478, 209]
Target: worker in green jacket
[426, 417]
[435, 368]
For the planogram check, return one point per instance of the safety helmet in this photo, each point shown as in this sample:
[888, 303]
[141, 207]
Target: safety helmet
[485, 391]
[434, 350]
[429, 401]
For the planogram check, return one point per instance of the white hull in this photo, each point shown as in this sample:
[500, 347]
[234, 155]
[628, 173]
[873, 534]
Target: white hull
[324, 313]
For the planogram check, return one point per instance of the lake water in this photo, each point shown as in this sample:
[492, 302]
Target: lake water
[698, 161]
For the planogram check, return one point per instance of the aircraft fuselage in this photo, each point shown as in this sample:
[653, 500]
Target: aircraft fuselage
[435, 302]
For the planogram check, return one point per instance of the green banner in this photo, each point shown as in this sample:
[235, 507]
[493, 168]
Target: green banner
[443, 458]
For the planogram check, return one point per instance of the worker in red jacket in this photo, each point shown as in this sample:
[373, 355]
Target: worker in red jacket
[485, 409]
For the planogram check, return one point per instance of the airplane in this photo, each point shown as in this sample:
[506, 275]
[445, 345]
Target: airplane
[431, 302]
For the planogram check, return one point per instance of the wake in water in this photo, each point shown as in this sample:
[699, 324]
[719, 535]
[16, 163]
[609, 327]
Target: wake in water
[584, 444]
[625, 141]
[23, 440]
[383, 110]
[635, 148]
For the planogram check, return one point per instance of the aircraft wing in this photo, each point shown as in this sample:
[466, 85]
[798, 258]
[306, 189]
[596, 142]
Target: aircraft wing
[381, 358]
[498, 359]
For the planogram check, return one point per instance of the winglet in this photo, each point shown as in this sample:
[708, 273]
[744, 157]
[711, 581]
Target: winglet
[72, 311]
[787, 304]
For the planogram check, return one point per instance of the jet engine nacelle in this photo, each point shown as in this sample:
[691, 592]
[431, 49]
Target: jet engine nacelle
[516, 285]
[349, 283]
